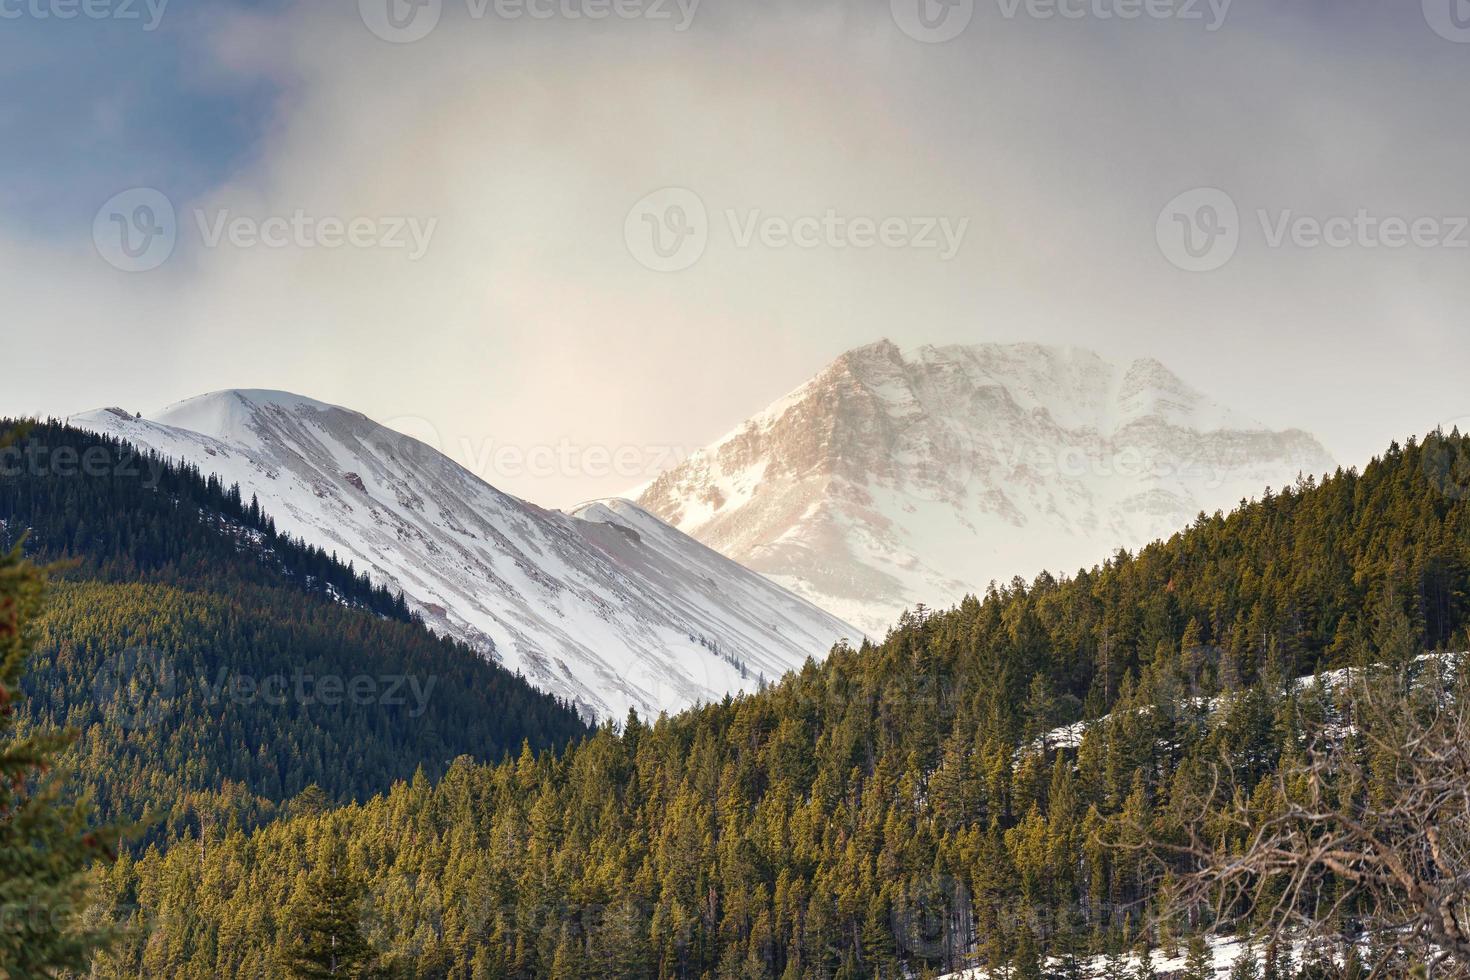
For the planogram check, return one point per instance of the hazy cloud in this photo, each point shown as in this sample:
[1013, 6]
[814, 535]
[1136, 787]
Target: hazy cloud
[528, 318]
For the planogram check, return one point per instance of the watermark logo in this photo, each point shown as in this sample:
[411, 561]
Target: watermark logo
[650, 10]
[415, 438]
[1199, 230]
[1450, 19]
[1134, 464]
[668, 230]
[401, 21]
[937, 21]
[932, 21]
[136, 230]
[135, 688]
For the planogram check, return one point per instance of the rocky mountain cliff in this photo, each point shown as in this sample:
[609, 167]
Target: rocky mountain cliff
[902, 477]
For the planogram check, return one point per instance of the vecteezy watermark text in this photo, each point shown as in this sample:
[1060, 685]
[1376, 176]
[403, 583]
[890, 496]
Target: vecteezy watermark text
[138, 230]
[303, 230]
[1211, 13]
[492, 460]
[139, 687]
[329, 690]
[833, 230]
[36, 459]
[937, 21]
[1363, 229]
[407, 21]
[567, 458]
[1201, 230]
[669, 230]
[149, 13]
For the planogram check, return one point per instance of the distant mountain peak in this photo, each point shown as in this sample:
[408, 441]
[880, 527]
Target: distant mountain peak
[879, 350]
[897, 476]
[252, 398]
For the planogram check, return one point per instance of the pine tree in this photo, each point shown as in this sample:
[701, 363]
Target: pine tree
[1070, 947]
[1145, 968]
[1198, 964]
[1246, 967]
[1027, 958]
[324, 918]
[1317, 963]
[1115, 966]
[45, 844]
[1278, 965]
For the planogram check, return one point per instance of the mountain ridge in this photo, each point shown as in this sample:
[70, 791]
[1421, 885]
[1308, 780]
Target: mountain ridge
[602, 620]
[895, 477]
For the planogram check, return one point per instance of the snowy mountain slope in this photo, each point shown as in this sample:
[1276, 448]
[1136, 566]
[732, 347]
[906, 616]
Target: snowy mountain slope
[608, 608]
[894, 478]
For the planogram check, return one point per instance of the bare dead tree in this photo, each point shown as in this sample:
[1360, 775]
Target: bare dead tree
[1368, 828]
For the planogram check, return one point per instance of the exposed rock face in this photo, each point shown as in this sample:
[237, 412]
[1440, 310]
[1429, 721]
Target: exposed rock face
[894, 478]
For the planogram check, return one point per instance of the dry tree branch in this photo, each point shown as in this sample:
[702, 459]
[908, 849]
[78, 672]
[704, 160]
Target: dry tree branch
[1369, 833]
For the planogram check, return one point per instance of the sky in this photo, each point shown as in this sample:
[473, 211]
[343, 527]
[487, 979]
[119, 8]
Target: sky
[568, 241]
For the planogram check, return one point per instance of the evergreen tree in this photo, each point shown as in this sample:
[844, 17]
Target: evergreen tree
[1027, 957]
[1246, 965]
[1198, 963]
[1145, 969]
[46, 846]
[324, 918]
[1115, 966]
[1278, 963]
[1070, 947]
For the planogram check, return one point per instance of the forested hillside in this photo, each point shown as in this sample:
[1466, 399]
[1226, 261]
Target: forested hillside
[125, 513]
[215, 669]
[891, 808]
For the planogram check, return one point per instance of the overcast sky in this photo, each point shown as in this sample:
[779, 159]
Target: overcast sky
[496, 283]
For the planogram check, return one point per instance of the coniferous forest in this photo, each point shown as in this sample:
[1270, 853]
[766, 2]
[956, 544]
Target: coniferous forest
[213, 669]
[980, 789]
[734, 490]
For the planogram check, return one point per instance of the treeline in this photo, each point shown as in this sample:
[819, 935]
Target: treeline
[214, 669]
[127, 513]
[896, 808]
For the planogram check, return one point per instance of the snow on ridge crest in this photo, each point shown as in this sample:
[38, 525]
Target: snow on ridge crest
[608, 620]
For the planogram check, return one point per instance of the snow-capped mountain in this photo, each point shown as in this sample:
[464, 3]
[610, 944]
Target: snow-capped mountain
[608, 607]
[894, 478]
